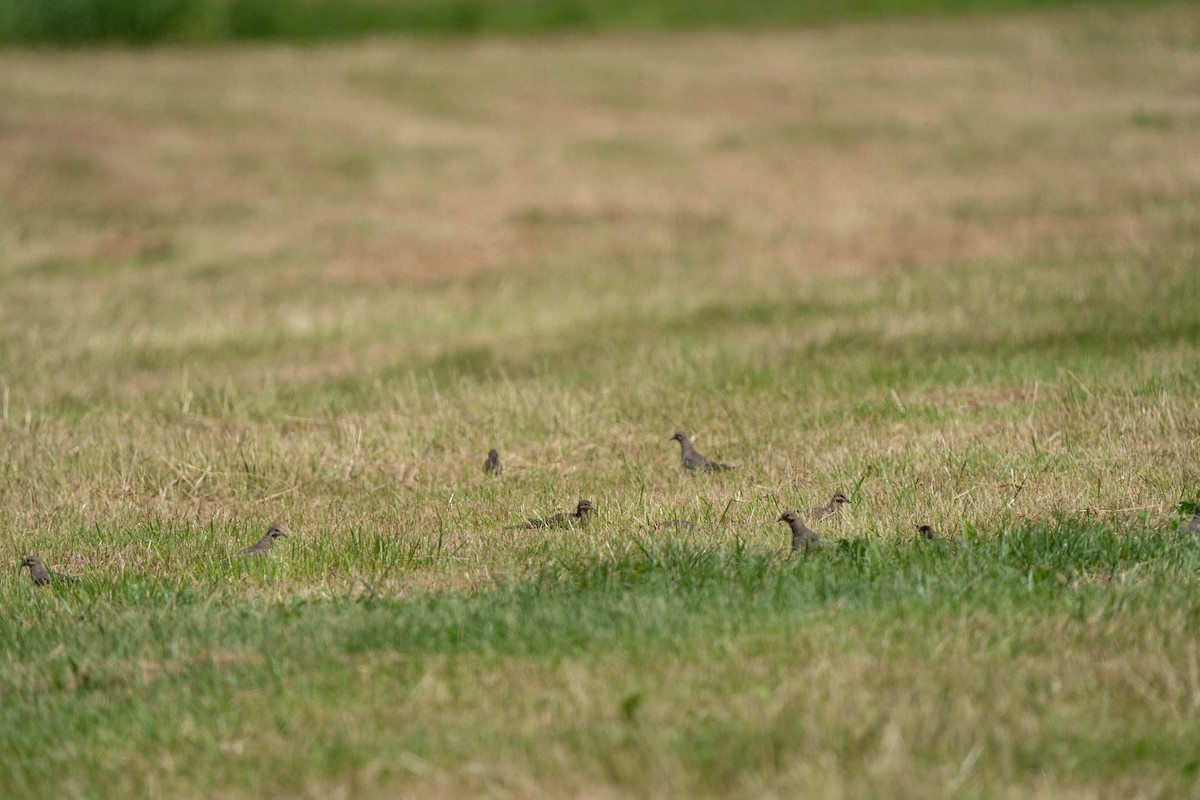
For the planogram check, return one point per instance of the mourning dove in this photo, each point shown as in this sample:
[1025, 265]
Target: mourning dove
[42, 576]
[695, 461]
[803, 537]
[835, 505]
[577, 518]
[263, 545]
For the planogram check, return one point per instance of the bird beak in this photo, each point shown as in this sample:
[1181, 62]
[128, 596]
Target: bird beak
[780, 518]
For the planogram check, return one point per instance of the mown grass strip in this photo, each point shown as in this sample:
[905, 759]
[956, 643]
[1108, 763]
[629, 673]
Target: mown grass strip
[603, 601]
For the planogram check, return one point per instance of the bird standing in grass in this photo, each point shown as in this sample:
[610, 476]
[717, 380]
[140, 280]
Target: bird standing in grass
[42, 576]
[493, 466]
[696, 462]
[927, 532]
[577, 518]
[835, 505]
[263, 545]
[1193, 525]
[803, 537]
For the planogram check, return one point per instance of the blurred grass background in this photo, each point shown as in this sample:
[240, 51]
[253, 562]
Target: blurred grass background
[74, 22]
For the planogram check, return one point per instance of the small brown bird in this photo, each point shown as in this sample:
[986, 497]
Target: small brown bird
[694, 461]
[577, 518]
[803, 537]
[835, 505]
[263, 545]
[493, 466]
[927, 532]
[1193, 526]
[42, 576]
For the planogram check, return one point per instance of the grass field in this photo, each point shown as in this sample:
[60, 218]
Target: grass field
[145, 22]
[949, 266]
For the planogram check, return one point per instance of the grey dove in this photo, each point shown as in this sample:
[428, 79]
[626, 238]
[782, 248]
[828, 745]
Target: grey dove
[263, 545]
[835, 505]
[42, 576]
[577, 518]
[927, 532]
[803, 537]
[694, 461]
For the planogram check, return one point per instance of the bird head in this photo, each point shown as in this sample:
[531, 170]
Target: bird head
[679, 436]
[926, 531]
[840, 499]
[275, 531]
[30, 561]
[789, 517]
[493, 454]
[584, 507]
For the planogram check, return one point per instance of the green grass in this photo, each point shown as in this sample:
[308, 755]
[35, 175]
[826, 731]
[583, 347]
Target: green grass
[624, 645]
[149, 21]
[314, 286]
